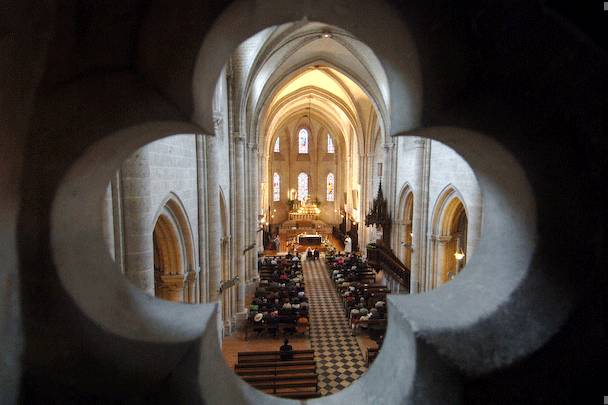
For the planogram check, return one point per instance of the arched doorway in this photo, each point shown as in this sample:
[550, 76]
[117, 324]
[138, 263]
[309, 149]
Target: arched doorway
[449, 238]
[174, 269]
[408, 235]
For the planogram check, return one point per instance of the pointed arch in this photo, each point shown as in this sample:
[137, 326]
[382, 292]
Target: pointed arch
[449, 235]
[404, 222]
[174, 252]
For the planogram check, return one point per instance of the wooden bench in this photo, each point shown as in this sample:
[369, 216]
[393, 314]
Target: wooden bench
[281, 326]
[296, 379]
[287, 385]
[275, 364]
[264, 369]
[273, 356]
[372, 353]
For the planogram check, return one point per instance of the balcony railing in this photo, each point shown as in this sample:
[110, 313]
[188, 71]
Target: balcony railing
[384, 259]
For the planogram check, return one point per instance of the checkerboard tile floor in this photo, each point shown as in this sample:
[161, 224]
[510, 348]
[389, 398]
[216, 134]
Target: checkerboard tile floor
[338, 356]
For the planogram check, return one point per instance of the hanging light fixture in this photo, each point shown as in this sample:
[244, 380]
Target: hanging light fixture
[459, 255]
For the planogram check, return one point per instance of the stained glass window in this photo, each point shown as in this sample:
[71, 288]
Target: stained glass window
[303, 141]
[302, 186]
[276, 187]
[277, 145]
[331, 187]
[330, 144]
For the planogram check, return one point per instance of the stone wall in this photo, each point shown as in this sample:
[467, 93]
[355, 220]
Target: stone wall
[444, 168]
[288, 163]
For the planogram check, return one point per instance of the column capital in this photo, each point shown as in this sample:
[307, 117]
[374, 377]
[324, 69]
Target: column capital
[441, 238]
[253, 146]
[238, 137]
[388, 146]
[172, 281]
[419, 142]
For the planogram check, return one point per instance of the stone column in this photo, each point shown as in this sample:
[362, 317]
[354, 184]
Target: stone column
[213, 233]
[368, 196]
[202, 206]
[172, 287]
[108, 221]
[253, 212]
[436, 277]
[420, 215]
[239, 216]
[138, 227]
[192, 292]
[118, 224]
[389, 181]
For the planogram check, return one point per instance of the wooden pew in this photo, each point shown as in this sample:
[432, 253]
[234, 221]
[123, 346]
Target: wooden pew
[251, 369]
[287, 385]
[273, 356]
[295, 379]
[372, 353]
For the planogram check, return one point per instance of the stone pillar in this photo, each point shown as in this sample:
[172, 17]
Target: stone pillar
[420, 215]
[202, 210]
[117, 213]
[214, 221]
[108, 221]
[138, 227]
[252, 220]
[368, 196]
[437, 276]
[192, 292]
[389, 181]
[171, 287]
[239, 216]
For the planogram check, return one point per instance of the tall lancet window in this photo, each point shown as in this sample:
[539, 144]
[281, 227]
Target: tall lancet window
[277, 145]
[330, 144]
[303, 141]
[331, 187]
[276, 187]
[302, 186]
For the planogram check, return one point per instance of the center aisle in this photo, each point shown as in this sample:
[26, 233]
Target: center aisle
[338, 356]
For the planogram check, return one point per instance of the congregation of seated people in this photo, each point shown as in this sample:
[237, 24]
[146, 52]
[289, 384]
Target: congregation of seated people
[347, 268]
[362, 302]
[280, 299]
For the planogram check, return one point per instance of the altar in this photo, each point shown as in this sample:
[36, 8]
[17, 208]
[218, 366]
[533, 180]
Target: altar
[304, 233]
[304, 210]
[309, 240]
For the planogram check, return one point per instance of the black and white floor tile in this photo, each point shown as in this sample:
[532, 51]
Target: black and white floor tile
[339, 358]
